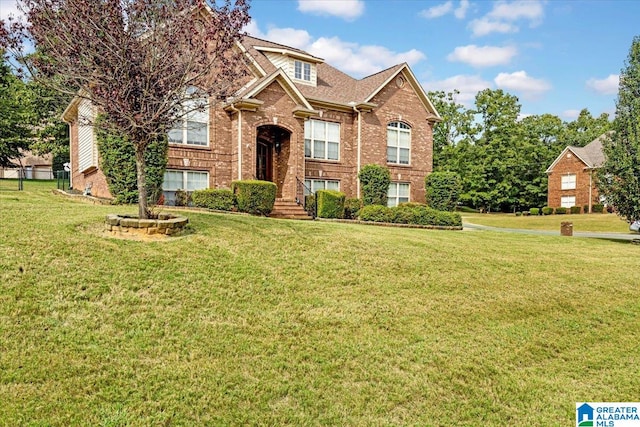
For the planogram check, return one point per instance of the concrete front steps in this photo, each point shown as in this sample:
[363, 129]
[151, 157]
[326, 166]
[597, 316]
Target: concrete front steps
[288, 209]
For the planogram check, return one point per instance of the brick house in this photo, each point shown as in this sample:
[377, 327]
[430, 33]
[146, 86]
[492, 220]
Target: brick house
[296, 120]
[571, 176]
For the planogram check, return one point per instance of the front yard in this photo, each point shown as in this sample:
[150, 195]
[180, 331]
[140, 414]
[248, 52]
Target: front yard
[256, 321]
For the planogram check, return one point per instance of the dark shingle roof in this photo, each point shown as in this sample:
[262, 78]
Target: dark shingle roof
[332, 84]
[592, 153]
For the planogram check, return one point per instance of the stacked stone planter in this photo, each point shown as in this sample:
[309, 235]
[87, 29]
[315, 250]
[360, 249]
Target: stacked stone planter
[165, 225]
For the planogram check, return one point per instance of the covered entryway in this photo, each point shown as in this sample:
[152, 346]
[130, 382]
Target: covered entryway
[272, 155]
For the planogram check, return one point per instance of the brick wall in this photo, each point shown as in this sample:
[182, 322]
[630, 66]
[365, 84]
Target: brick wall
[571, 164]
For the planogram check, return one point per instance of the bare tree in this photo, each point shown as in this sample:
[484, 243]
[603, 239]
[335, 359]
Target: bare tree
[138, 61]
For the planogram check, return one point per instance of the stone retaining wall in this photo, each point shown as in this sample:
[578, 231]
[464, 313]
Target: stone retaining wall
[165, 225]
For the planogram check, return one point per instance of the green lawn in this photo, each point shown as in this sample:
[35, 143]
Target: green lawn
[609, 223]
[254, 321]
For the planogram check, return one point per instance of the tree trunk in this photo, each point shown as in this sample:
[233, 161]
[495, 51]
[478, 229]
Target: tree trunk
[143, 211]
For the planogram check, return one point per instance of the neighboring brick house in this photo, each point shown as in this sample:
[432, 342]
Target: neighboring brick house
[572, 176]
[296, 120]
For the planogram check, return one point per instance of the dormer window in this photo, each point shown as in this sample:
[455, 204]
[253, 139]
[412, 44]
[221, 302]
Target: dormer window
[302, 70]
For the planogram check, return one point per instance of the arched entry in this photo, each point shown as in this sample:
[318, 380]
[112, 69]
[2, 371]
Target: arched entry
[272, 155]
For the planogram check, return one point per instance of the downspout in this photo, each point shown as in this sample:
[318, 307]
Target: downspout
[359, 151]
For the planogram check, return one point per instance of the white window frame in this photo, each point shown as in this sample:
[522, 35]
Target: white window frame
[310, 184]
[568, 201]
[394, 198]
[568, 181]
[185, 180]
[302, 70]
[198, 116]
[394, 132]
[310, 128]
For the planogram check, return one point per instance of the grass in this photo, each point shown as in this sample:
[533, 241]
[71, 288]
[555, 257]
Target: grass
[254, 321]
[609, 223]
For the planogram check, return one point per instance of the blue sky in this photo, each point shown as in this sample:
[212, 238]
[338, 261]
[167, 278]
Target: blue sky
[557, 56]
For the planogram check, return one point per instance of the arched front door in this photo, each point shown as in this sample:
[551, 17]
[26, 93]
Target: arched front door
[272, 155]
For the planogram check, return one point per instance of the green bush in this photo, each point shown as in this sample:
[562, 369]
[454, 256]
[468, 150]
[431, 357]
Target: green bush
[182, 198]
[330, 203]
[534, 211]
[597, 208]
[375, 213]
[118, 163]
[585, 209]
[310, 204]
[547, 210]
[254, 197]
[576, 209]
[518, 213]
[410, 213]
[351, 208]
[374, 180]
[443, 190]
[561, 211]
[217, 199]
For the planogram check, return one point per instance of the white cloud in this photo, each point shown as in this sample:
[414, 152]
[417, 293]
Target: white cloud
[345, 9]
[468, 85]
[437, 11]
[520, 82]
[483, 56]
[461, 11]
[482, 27]
[504, 16]
[351, 58]
[606, 86]
[570, 114]
[519, 9]
[445, 8]
[357, 60]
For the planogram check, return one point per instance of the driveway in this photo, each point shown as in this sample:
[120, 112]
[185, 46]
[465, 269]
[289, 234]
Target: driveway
[608, 236]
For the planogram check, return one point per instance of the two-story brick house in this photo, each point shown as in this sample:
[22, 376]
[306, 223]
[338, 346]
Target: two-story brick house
[572, 176]
[296, 120]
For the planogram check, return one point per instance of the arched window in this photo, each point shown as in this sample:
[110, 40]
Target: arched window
[192, 126]
[398, 143]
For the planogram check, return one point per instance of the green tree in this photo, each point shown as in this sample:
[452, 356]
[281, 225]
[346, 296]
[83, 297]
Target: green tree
[585, 129]
[15, 132]
[619, 178]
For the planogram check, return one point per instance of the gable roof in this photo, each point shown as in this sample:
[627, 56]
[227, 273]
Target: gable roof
[333, 86]
[591, 154]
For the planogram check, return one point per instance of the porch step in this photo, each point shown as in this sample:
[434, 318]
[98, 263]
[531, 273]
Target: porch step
[288, 209]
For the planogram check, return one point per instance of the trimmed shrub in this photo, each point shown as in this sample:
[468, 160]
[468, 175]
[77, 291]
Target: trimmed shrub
[375, 213]
[410, 213]
[576, 209]
[254, 197]
[217, 199]
[518, 213]
[534, 211]
[374, 180]
[561, 211]
[330, 203]
[118, 163]
[547, 210]
[351, 208]
[443, 190]
[310, 204]
[597, 208]
[585, 209]
[182, 198]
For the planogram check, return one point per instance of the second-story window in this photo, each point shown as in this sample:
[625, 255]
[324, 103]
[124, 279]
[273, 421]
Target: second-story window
[302, 71]
[192, 127]
[398, 143]
[321, 140]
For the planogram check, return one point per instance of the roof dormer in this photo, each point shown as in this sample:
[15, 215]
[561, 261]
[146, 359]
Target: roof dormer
[299, 66]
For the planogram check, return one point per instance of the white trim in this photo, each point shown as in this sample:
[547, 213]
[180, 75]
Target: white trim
[291, 53]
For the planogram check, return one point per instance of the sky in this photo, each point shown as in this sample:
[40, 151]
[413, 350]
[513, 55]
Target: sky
[556, 56]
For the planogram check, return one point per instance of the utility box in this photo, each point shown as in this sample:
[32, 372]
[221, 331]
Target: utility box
[566, 228]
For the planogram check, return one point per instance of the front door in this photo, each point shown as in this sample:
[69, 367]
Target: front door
[264, 171]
